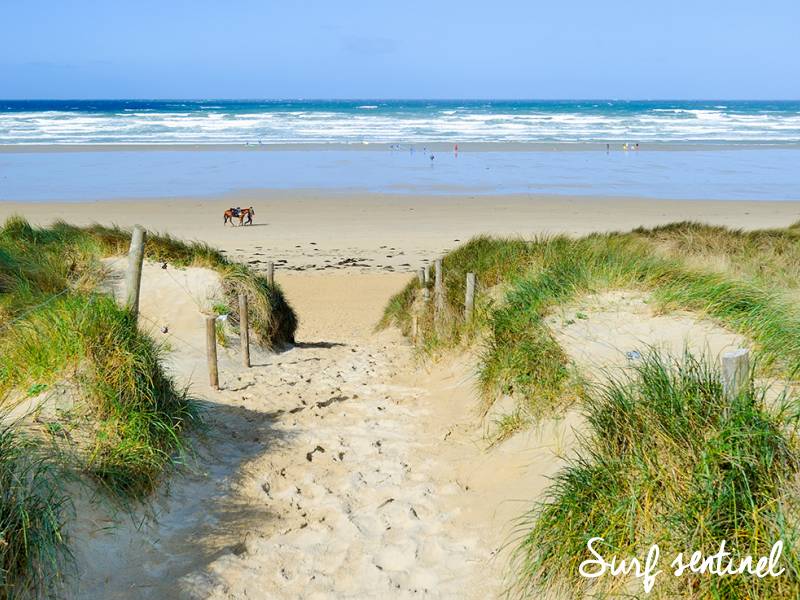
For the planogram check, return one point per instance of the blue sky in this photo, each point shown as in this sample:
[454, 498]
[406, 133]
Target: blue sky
[400, 49]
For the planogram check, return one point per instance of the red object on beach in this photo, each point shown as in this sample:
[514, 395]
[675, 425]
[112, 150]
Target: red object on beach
[455, 149]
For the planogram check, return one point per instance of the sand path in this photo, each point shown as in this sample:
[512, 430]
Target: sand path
[340, 468]
[333, 470]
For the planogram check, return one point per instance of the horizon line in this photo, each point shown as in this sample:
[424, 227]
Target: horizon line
[395, 99]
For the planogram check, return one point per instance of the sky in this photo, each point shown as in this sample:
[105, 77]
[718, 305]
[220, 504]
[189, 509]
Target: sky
[675, 49]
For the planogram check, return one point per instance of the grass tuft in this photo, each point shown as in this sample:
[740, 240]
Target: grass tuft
[519, 355]
[670, 461]
[33, 509]
[127, 427]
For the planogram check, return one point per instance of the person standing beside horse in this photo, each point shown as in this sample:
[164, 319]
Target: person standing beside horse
[241, 214]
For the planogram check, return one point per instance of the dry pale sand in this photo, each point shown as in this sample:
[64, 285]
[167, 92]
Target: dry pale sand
[310, 230]
[341, 468]
[337, 469]
[605, 333]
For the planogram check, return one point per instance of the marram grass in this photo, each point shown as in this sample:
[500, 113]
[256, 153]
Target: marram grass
[669, 460]
[33, 509]
[129, 423]
[519, 355]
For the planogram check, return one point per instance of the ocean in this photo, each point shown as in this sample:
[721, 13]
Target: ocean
[396, 122]
[726, 150]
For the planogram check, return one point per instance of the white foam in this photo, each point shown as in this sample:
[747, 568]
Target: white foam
[465, 124]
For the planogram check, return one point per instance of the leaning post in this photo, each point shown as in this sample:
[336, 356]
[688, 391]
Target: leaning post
[735, 372]
[421, 276]
[438, 291]
[271, 273]
[133, 276]
[211, 351]
[469, 300]
[244, 334]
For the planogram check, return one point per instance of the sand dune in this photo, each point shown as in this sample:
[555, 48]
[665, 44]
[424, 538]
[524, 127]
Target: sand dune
[335, 469]
[342, 468]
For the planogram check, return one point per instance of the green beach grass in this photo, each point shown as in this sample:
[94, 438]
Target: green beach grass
[523, 280]
[129, 423]
[661, 463]
[33, 510]
[669, 461]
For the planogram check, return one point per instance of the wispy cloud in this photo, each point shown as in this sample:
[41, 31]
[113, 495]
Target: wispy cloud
[366, 45]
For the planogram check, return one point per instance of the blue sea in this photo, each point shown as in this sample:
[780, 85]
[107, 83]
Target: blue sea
[727, 150]
[374, 121]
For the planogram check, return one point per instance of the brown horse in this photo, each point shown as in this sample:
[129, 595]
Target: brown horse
[244, 213]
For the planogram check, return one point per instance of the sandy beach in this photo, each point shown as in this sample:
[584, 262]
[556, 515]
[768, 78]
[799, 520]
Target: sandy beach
[344, 467]
[509, 306]
[324, 231]
[339, 468]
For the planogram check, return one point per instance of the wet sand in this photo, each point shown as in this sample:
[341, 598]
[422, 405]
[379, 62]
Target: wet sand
[307, 230]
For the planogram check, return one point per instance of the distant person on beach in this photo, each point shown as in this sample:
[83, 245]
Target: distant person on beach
[239, 213]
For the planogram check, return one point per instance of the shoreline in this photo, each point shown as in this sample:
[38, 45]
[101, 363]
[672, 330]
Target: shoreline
[434, 146]
[313, 230]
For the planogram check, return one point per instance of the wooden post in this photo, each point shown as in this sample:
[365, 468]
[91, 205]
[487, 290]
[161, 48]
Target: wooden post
[421, 276]
[133, 277]
[735, 372]
[244, 334]
[271, 273]
[438, 292]
[211, 351]
[469, 300]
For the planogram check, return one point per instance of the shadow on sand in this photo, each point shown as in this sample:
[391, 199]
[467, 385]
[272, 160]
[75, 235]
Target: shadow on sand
[191, 521]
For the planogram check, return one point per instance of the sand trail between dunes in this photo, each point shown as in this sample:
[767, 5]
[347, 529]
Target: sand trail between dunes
[340, 468]
[336, 469]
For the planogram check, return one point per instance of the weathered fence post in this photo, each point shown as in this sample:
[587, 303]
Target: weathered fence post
[244, 334]
[211, 351]
[133, 276]
[271, 273]
[438, 291]
[421, 276]
[469, 300]
[735, 372]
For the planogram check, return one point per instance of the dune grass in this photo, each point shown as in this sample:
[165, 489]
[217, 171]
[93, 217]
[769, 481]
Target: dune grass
[519, 355]
[135, 412]
[769, 258]
[669, 460]
[33, 508]
[272, 320]
[59, 333]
